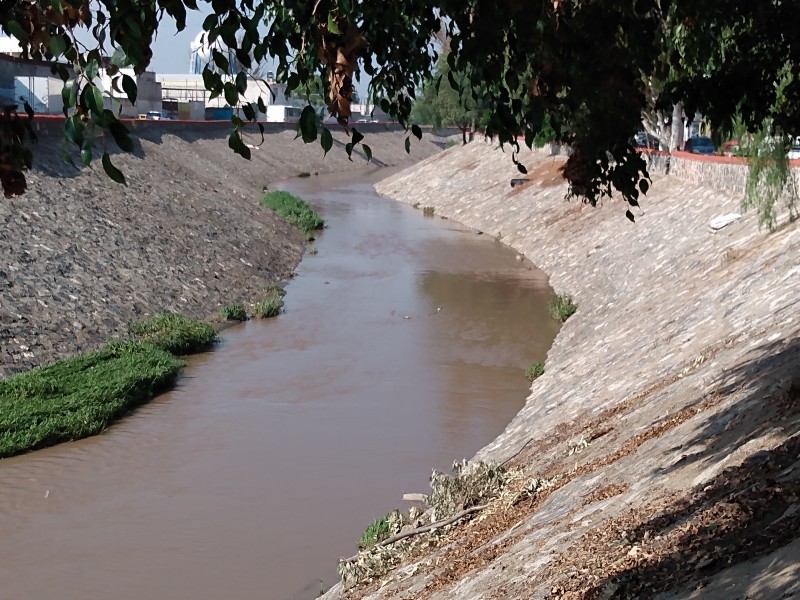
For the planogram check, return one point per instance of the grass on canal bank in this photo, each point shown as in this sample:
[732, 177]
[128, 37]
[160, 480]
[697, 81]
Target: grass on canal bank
[294, 210]
[82, 396]
[174, 333]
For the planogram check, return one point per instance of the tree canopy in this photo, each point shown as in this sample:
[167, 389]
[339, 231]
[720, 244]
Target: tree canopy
[446, 104]
[592, 67]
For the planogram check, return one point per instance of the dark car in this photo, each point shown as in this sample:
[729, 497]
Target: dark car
[700, 145]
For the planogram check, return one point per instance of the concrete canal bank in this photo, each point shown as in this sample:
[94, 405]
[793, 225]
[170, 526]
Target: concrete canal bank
[81, 257]
[659, 455]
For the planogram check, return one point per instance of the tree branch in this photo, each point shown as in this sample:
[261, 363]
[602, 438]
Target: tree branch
[425, 529]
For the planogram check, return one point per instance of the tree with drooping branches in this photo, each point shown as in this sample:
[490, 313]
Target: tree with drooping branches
[589, 69]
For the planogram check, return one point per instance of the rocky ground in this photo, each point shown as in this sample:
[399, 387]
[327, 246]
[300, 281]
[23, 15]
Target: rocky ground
[659, 454]
[81, 257]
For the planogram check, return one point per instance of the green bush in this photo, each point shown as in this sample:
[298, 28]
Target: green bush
[562, 307]
[233, 311]
[377, 531]
[293, 210]
[81, 396]
[268, 307]
[175, 333]
[534, 371]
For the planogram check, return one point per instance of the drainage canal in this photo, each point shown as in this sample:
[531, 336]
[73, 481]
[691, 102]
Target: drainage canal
[403, 347]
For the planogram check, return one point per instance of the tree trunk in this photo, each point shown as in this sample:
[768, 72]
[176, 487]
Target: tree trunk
[676, 139]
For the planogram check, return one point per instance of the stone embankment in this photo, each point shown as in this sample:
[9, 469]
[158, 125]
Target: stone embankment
[81, 257]
[664, 435]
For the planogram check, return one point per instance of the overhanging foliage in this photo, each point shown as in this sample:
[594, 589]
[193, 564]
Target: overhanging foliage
[587, 65]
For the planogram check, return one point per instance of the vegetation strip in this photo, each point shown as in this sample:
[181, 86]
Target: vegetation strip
[175, 333]
[81, 396]
[294, 210]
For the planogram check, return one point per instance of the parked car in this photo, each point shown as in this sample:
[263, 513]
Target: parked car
[645, 140]
[794, 151]
[699, 145]
[154, 115]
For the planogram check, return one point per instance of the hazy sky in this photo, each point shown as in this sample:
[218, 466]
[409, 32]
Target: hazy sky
[171, 49]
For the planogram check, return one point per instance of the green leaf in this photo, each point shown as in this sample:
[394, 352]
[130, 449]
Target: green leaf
[349, 149]
[367, 152]
[16, 30]
[307, 126]
[529, 137]
[630, 216]
[416, 131]
[332, 26]
[236, 144]
[644, 186]
[92, 98]
[357, 136]
[57, 45]
[248, 111]
[241, 82]
[262, 108]
[113, 172]
[408, 145]
[129, 86]
[220, 60]
[521, 168]
[86, 155]
[212, 81]
[326, 140]
[231, 94]
[121, 136]
[73, 130]
[91, 69]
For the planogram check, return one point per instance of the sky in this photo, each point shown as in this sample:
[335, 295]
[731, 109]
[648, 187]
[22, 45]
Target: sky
[171, 49]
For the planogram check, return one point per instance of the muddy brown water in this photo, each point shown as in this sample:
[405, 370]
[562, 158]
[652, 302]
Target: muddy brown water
[402, 348]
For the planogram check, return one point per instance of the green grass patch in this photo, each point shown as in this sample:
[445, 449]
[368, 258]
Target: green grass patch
[562, 307]
[293, 210]
[377, 531]
[233, 311]
[534, 371]
[175, 333]
[81, 396]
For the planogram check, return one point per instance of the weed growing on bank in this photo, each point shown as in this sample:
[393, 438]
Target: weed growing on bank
[377, 531]
[534, 371]
[175, 333]
[293, 210]
[562, 307]
[233, 311]
[271, 304]
[427, 211]
[81, 396]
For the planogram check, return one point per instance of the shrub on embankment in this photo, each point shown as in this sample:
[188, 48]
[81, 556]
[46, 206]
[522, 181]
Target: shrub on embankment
[81, 396]
[294, 210]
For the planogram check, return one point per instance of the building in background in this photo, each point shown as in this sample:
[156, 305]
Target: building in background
[28, 81]
[201, 56]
